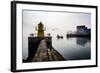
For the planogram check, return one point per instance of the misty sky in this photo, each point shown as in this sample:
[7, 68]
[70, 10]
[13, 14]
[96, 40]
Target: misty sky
[55, 22]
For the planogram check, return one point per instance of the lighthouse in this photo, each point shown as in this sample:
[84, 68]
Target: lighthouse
[40, 30]
[40, 48]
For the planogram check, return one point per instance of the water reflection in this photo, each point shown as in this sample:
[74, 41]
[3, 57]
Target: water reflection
[75, 48]
[82, 41]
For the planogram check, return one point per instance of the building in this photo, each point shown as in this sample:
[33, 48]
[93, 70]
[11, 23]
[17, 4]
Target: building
[83, 30]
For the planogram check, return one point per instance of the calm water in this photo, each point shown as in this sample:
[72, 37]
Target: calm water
[73, 48]
[70, 48]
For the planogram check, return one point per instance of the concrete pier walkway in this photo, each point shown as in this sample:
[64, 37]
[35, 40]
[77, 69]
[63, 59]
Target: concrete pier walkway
[41, 54]
[46, 54]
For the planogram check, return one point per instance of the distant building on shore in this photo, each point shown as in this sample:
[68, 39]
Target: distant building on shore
[81, 31]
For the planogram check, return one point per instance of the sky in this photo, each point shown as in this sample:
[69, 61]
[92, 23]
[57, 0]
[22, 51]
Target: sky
[55, 22]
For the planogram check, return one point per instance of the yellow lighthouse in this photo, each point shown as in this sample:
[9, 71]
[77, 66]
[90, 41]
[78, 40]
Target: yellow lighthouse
[40, 30]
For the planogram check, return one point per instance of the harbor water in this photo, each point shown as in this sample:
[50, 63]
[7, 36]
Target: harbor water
[72, 48]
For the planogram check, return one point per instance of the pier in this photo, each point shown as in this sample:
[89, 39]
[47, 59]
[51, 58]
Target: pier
[40, 48]
[46, 54]
[42, 51]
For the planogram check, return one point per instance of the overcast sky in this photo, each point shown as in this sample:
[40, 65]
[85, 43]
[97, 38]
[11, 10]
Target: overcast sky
[55, 22]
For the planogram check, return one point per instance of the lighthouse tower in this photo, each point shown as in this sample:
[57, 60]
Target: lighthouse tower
[40, 30]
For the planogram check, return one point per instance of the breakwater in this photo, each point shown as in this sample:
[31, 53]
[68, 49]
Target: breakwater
[40, 50]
